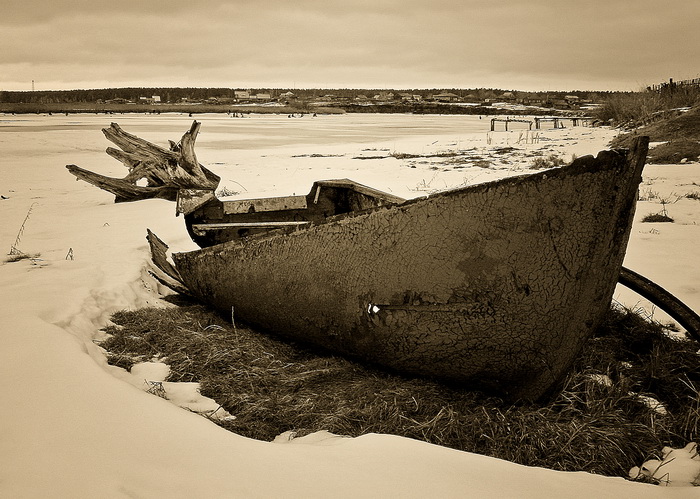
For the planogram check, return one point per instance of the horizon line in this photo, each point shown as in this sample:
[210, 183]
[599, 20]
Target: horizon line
[381, 89]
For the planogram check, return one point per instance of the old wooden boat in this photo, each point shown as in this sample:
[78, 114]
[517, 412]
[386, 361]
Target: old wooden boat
[495, 285]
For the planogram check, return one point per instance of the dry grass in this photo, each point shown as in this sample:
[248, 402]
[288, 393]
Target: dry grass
[18, 256]
[550, 161]
[657, 217]
[15, 254]
[675, 151]
[272, 386]
[673, 127]
[640, 108]
[662, 216]
[680, 131]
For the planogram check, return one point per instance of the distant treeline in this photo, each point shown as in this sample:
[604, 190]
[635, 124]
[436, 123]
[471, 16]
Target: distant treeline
[108, 94]
[178, 94]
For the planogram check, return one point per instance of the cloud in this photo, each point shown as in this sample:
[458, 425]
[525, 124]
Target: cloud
[29, 12]
[442, 43]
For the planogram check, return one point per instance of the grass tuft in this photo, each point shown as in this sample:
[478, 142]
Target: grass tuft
[597, 422]
[657, 217]
[550, 161]
[15, 254]
[675, 151]
[634, 109]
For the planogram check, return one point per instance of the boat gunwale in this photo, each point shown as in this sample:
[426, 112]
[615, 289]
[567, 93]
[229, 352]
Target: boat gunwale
[604, 160]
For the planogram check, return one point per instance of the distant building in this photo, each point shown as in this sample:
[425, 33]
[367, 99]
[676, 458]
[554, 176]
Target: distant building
[384, 96]
[154, 99]
[446, 97]
[410, 97]
[241, 94]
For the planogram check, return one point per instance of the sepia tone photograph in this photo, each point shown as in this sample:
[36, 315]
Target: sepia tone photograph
[349, 249]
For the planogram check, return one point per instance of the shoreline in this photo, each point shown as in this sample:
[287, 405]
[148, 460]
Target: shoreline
[501, 109]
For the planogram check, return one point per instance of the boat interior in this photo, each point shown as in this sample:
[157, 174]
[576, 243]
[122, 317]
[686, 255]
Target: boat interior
[212, 221]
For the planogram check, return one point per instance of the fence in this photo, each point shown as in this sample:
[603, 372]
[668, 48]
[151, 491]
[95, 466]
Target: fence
[674, 85]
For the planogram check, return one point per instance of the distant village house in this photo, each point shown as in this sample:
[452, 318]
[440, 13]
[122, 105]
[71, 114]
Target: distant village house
[446, 97]
[384, 96]
[154, 99]
[406, 97]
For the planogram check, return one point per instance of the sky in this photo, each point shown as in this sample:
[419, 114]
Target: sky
[508, 44]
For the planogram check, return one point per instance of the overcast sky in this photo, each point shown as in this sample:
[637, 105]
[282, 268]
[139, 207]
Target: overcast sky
[507, 44]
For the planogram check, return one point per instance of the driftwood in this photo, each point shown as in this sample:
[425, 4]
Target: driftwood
[165, 171]
[167, 275]
[678, 310]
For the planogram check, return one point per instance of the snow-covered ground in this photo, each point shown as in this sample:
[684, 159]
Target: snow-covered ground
[71, 426]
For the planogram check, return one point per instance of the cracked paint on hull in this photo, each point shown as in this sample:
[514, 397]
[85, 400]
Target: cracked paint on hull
[496, 285]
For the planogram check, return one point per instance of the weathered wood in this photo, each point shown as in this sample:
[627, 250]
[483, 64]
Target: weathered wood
[556, 120]
[158, 255]
[508, 120]
[188, 200]
[202, 228]
[164, 273]
[132, 144]
[679, 311]
[497, 284]
[326, 199]
[265, 204]
[165, 170]
[123, 190]
[371, 192]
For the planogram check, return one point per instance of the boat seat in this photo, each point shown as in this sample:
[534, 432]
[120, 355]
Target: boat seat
[203, 228]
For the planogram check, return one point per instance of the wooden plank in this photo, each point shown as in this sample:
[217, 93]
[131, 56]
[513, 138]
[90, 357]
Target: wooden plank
[265, 204]
[158, 255]
[188, 200]
[362, 189]
[201, 229]
[509, 120]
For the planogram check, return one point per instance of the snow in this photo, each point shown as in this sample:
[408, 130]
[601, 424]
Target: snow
[685, 463]
[72, 426]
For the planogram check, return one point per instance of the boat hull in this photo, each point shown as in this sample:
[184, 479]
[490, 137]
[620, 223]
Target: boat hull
[496, 285]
